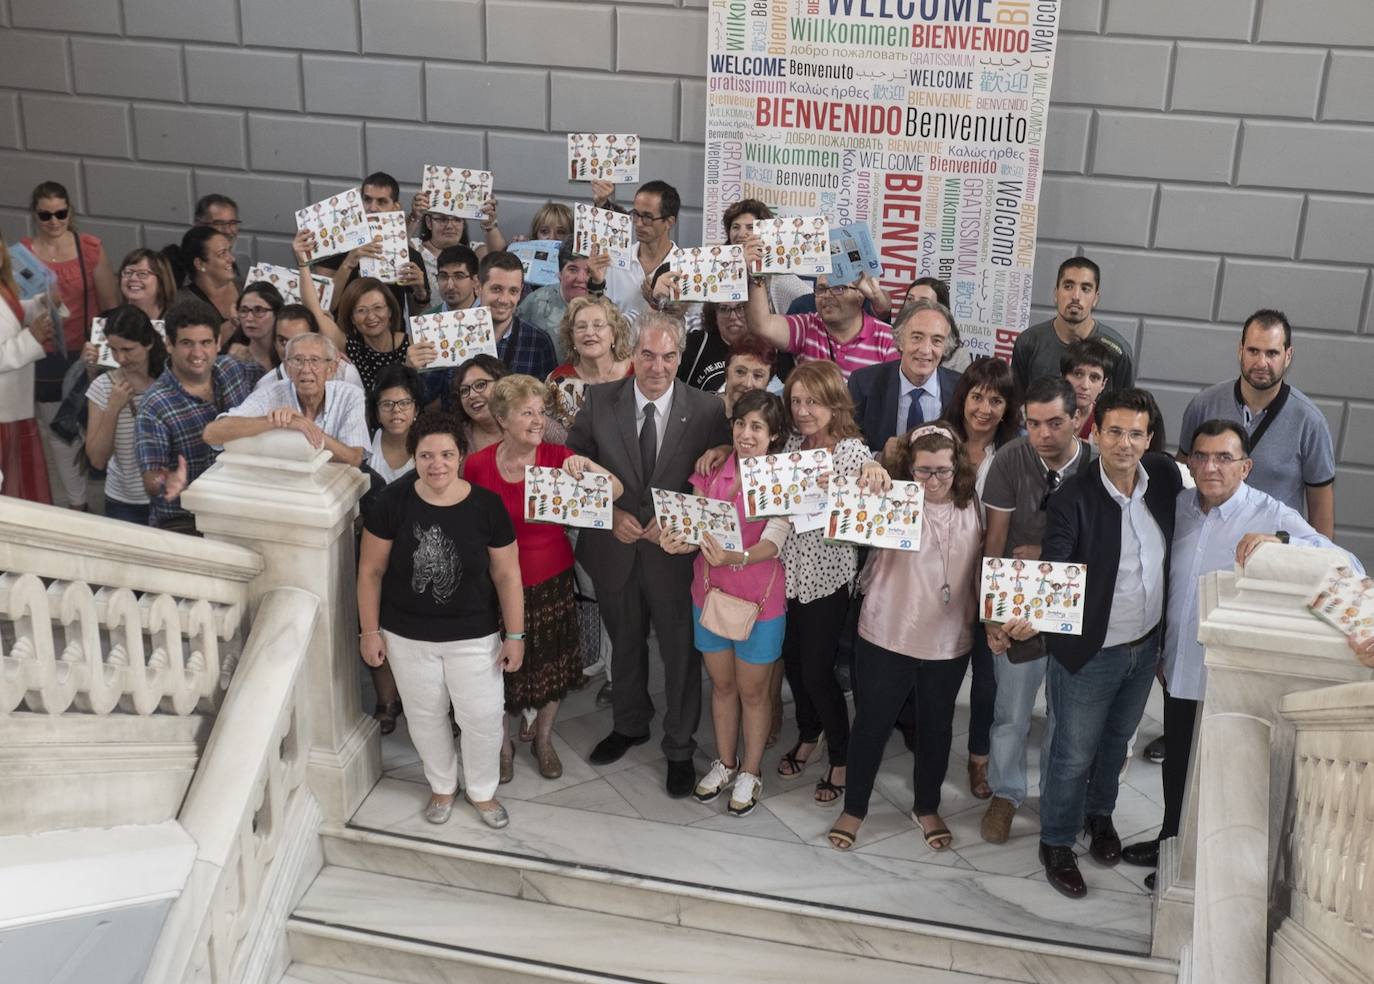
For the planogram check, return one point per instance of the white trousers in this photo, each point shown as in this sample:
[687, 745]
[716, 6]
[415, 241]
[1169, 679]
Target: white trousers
[65, 469]
[468, 671]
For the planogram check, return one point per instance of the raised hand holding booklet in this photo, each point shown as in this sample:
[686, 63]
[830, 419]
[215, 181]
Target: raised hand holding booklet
[852, 254]
[785, 484]
[554, 496]
[890, 520]
[458, 335]
[795, 244]
[710, 273]
[288, 283]
[604, 230]
[460, 191]
[338, 222]
[1048, 594]
[603, 157]
[694, 515]
[391, 228]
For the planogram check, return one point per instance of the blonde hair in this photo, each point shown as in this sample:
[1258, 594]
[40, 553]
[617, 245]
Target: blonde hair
[552, 213]
[512, 390]
[621, 347]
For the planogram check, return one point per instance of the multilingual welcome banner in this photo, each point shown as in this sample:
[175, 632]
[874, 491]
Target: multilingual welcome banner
[924, 119]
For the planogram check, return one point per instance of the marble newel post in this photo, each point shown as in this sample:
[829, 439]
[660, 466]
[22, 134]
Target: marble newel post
[1261, 645]
[277, 495]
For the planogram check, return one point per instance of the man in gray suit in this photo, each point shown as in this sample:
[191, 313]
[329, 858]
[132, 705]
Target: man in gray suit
[649, 431]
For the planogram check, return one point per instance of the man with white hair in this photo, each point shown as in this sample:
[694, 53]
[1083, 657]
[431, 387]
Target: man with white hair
[331, 414]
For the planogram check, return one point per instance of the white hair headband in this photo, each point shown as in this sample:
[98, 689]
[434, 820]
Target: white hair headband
[930, 429]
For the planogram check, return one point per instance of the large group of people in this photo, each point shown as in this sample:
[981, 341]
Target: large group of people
[468, 613]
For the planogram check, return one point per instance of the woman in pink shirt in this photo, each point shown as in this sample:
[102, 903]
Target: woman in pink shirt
[916, 634]
[740, 669]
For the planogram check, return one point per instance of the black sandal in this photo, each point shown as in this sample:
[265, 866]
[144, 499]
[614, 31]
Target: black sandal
[794, 765]
[386, 715]
[826, 786]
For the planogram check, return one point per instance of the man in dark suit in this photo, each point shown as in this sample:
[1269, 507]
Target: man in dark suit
[1116, 521]
[649, 431]
[890, 398]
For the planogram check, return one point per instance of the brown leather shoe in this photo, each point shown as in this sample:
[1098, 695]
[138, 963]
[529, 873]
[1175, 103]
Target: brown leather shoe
[978, 779]
[1104, 844]
[997, 821]
[550, 767]
[507, 761]
[1061, 870]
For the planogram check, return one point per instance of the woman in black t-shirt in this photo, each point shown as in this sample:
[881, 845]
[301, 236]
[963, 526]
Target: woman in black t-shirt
[438, 574]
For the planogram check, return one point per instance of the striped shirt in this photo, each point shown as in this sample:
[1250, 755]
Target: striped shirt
[809, 339]
[123, 480]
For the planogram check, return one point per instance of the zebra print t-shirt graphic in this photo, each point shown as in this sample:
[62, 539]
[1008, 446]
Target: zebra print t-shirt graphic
[435, 564]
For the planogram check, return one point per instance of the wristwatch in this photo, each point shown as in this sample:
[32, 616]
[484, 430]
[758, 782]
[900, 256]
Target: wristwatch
[1282, 535]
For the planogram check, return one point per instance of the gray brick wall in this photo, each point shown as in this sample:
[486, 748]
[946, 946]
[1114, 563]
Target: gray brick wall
[1213, 156]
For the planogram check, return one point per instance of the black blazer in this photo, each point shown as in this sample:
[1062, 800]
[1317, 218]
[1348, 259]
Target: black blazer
[604, 430]
[876, 390]
[1084, 527]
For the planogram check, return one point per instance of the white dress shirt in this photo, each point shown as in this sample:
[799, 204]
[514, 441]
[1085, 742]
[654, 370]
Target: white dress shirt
[1206, 542]
[663, 406]
[1138, 597]
[928, 393]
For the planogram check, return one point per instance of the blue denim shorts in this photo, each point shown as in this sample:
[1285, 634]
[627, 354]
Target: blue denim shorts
[763, 646]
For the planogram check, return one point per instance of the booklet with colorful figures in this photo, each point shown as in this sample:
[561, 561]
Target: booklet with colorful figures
[1345, 600]
[603, 157]
[458, 335]
[852, 254]
[554, 496]
[692, 515]
[391, 228]
[460, 191]
[710, 273]
[569, 393]
[785, 484]
[795, 244]
[288, 283]
[602, 229]
[338, 222]
[890, 521]
[102, 342]
[1048, 594]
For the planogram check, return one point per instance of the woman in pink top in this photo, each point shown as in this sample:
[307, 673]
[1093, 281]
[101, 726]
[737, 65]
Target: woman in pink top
[740, 670]
[916, 634]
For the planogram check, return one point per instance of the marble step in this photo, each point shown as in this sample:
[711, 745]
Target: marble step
[299, 973]
[840, 930]
[409, 930]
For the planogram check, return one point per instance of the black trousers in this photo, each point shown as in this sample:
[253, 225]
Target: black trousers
[888, 679]
[1180, 716]
[808, 653]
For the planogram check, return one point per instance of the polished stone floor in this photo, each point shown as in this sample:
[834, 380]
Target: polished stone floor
[618, 817]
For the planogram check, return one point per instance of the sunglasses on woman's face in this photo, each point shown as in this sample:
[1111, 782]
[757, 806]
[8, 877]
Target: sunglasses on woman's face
[43, 216]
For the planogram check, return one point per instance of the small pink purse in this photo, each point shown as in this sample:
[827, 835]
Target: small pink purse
[728, 616]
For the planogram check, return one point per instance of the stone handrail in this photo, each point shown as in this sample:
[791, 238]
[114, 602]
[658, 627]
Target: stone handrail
[248, 810]
[98, 616]
[1327, 880]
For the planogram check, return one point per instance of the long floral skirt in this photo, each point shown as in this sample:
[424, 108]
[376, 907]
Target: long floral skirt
[553, 646]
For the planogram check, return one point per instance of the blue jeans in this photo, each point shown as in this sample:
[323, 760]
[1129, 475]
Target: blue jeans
[127, 511]
[1017, 685]
[1096, 710]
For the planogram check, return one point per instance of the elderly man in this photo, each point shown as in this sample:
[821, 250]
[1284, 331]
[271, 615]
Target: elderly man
[1219, 523]
[329, 413]
[649, 431]
[892, 397]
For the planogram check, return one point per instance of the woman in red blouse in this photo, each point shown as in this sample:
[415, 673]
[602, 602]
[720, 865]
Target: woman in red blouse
[553, 657]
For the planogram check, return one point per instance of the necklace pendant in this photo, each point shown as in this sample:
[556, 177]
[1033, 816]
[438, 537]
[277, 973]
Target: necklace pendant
[944, 593]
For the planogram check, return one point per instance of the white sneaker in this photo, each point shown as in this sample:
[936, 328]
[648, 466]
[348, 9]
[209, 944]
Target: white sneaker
[713, 782]
[745, 795]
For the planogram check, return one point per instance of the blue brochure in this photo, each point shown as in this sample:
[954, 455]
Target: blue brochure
[852, 253]
[540, 257]
[31, 275]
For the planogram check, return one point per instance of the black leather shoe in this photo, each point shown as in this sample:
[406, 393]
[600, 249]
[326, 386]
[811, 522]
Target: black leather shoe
[1104, 845]
[1154, 751]
[613, 746]
[1061, 870]
[1145, 854]
[682, 779]
[1150, 881]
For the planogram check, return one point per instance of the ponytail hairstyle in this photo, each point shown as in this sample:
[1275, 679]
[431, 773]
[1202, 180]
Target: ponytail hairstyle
[132, 325]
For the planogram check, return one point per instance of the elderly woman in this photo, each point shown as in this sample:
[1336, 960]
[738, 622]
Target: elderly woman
[749, 365]
[112, 404]
[146, 281]
[438, 574]
[553, 654]
[545, 306]
[25, 328]
[597, 338]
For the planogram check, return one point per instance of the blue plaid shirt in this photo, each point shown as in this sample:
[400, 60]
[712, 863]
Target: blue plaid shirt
[171, 421]
[527, 349]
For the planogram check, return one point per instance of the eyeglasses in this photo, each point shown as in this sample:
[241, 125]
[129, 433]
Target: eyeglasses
[454, 277]
[1219, 458]
[1052, 482]
[45, 216]
[225, 225]
[444, 219]
[306, 361]
[255, 311]
[140, 275]
[940, 473]
[386, 406]
[646, 217]
[1117, 435]
[836, 291]
[478, 387]
[732, 310]
[377, 311]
